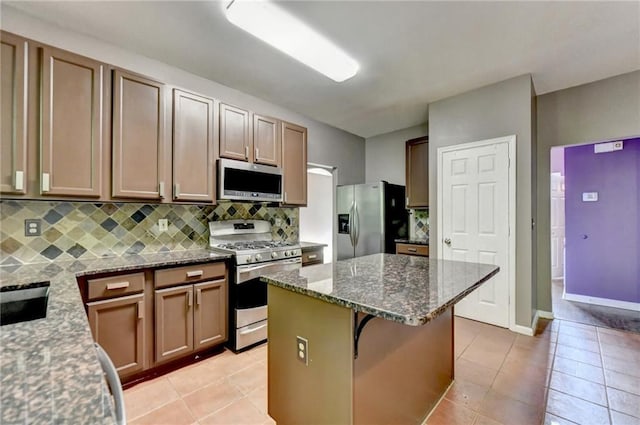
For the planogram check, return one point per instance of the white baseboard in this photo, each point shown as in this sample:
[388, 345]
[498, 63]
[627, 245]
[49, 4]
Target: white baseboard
[545, 314]
[627, 305]
[540, 314]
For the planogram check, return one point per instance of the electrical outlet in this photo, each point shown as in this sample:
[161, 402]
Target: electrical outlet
[163, 225]
[32, 227]
[278, 222]
[303, 350]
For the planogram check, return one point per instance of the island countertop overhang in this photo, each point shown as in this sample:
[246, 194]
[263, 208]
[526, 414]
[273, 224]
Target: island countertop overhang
[405, 289]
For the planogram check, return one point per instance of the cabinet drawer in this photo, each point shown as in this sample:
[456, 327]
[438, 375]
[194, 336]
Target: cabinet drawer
[116, 286]
[313, 257]
[405, 248]
[195, 273]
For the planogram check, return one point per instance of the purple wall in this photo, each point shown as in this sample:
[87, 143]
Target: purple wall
[606, 263]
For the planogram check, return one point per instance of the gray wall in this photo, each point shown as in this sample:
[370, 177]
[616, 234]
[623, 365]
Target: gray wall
[327, 145]
[385, 154]
[497, 110]
[603, 110]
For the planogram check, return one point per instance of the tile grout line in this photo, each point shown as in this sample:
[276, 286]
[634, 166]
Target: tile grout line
[604, 377]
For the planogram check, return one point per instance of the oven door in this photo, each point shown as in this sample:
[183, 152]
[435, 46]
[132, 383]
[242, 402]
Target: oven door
[250, 300]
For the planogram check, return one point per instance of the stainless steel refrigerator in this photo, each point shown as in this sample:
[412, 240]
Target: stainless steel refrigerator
[370, 217]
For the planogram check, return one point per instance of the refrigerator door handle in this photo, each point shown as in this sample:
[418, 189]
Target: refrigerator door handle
[351, 224]
[356, 223]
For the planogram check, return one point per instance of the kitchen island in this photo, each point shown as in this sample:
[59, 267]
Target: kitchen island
[364, 341]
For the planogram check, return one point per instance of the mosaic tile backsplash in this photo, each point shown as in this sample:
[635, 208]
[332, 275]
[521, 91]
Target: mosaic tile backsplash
[420, 219]
[72, 230]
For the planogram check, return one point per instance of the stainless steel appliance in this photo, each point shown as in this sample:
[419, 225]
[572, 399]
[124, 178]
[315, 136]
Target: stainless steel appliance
[370, 218]
[255, 252]
[249, 182]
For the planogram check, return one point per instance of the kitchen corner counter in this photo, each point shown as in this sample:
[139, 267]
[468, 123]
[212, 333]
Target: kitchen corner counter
[49, 368]
[306, 246]
[413, 241]
[400, 288]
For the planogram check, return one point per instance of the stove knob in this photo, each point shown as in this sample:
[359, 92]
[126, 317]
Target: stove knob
[249, 259]
[274, 255]
[258, 257]
[286, 253]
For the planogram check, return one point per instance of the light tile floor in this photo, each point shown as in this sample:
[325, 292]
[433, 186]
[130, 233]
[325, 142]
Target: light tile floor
[569, 373]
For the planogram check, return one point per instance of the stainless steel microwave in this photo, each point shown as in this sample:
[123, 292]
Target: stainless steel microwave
[243, 181]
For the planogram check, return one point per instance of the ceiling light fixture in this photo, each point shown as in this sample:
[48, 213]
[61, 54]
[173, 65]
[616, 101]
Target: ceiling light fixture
[287, 33]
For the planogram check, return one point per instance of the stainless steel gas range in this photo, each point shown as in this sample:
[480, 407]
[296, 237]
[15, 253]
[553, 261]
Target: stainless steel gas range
[255, 253]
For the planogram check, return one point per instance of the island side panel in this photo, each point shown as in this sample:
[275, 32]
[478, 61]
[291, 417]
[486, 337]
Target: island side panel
[402, 371]
[322, 391]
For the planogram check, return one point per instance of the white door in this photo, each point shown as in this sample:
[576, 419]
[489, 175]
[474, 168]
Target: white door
[557, 226]
[475, 224]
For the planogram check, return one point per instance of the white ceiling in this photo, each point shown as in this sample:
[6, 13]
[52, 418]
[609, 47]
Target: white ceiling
[410, 53]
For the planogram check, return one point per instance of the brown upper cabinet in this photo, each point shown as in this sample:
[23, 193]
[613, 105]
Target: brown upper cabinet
[138, 137]
[71, 132]
[249, 137]
[266, 141]
[294, 163]
[13, 145]
[193, 148]
[417, 172]
[235, 140]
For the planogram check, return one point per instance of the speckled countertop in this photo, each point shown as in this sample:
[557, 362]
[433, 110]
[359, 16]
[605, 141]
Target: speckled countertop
[49, 370]
[413, 241]
[402, 288]
[305, 246]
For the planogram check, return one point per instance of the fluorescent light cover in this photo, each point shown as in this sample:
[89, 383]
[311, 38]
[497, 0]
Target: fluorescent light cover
[287, 33]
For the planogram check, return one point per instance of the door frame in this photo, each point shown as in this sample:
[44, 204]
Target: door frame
[334, 222]
[511, 269]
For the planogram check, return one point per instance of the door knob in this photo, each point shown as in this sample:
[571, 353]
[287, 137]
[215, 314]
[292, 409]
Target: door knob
[447, 241]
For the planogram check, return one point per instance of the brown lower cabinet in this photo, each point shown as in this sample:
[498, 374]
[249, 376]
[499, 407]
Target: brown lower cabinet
[118, 326]
[146, 318]
[190, 318]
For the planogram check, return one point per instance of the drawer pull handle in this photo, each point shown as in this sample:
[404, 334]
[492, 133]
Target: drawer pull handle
[412, 250]
[140, 309]
[195, 273]
[312, 257]
[251, 330]
[117, 285]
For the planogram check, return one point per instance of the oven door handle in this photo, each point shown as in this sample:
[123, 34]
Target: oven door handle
[271, 264]
[251, 330]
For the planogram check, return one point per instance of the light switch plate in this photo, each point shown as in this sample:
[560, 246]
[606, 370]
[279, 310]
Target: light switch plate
[32, 227]
[589, 196]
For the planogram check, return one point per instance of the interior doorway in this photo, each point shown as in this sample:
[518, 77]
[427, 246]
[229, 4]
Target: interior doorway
[595, 233]
[317, 218]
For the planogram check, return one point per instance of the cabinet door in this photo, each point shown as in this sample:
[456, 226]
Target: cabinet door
[235, 142]
[13, 127]
[193, 156]
[417, 172]
[174, 322]
[138, 137]
[118, 326]
[294, 163]
[71, 132]
[266, 141]
[210, 314]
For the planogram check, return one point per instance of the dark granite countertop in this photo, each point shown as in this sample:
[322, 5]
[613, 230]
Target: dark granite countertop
[49, 370]
[402, 288]
[305, 246]
[413, 241]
